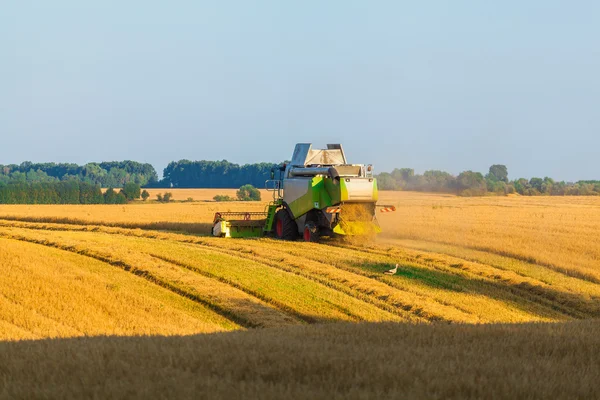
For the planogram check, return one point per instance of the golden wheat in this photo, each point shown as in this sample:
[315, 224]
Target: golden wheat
[560, 232]
[427, 287]
[153, 269]
[52, 293]
[340, 361]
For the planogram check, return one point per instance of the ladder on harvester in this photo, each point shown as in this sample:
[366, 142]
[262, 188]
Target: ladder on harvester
[275, 187]
[271, 211]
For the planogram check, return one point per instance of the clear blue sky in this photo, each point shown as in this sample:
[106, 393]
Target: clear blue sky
[450, 85]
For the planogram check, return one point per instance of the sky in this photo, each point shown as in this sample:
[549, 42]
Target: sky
[451, 85]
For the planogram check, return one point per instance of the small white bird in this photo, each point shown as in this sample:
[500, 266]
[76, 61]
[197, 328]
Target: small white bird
[392, 271]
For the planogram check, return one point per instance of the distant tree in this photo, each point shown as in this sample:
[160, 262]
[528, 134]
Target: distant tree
[547, 186]
[248, 193]
[221, 197]
[121, 198]
[109, 174]
[521, 185]
[438, 181]
[110, 196]
[214, 174]
[90, 194]
[385, 181]
[498, 173]
[404, 174]
[536, 183]
[164, 198]
[132, 191]
[498, 187]
[145, 195]
[470, 183]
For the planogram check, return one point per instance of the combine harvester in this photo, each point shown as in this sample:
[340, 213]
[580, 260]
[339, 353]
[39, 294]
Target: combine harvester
[317, 194]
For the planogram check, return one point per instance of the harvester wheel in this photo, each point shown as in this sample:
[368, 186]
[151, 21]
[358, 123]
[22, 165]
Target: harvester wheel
[311, 232]
[285, 226]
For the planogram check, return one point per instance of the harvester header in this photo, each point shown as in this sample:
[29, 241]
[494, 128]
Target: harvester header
[317, 194]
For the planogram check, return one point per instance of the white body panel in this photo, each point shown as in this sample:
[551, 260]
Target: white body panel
[360, 189]
[304, 155]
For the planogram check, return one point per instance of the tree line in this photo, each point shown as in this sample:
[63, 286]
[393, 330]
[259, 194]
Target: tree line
[214, 174]
[469, 183]
[66, 192]
[223, 174]
[105, 174]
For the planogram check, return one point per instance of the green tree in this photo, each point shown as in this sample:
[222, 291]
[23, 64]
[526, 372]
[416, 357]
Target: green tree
[248, 193]
[498, 173]
[536, 183]
[164, 198]
[470, 183]
[498, 187]
[221, 197]
[214, 174]
[145, 195]
[110, 196]
[521, 185]
[121, 198]
[132, 191]
[90, 194]
[385, 181]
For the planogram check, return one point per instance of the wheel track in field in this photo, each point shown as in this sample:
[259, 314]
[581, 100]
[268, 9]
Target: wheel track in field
[539, 298]
[531, 260]
[223, 312]
[515, 293]
[410, 311]
[538, 293]
[328, 280]
[398, 311]
[236, 285]
[478, 258]
[404, 311]
[150, 227]
[288, 310]
[529, 289]
[409, 307]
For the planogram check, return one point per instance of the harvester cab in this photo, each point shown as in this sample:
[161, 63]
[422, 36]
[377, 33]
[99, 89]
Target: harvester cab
[317, 194]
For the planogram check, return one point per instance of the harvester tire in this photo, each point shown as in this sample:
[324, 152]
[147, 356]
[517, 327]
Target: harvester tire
[311, 232]
[285, 227]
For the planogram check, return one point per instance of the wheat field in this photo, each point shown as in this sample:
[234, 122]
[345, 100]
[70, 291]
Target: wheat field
[334, 361]
[147, 276]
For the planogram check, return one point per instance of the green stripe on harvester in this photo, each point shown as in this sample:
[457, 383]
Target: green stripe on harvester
[317, 193]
